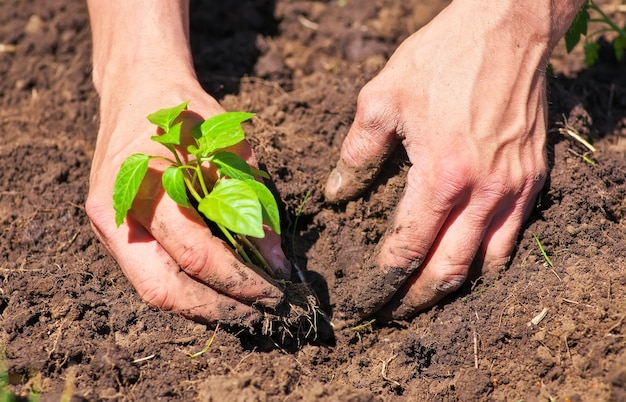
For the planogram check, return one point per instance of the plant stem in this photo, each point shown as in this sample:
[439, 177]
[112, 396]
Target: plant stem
[188, 167]
[192, 190]
[598, 32]
[201, 179]
[235, 243]
[607, 20]
[165, 159]
[178, 161]
[258, 255]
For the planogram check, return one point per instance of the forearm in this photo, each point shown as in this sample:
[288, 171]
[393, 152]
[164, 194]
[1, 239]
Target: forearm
[564, 12]
[540, 22]
[502, 41]
[554, 16]
[134, 39]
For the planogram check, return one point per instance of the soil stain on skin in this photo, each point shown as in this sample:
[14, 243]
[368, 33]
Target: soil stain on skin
[71, 320]
[378, 287]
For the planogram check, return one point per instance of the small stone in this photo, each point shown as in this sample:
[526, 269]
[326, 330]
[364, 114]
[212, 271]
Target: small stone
[34, 25]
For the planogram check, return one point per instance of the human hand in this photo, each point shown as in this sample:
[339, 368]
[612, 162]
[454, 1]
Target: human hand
[167, 252]
[468, 102]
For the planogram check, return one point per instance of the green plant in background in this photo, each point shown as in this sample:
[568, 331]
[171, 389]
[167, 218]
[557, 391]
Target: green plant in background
[5, 395]
[235, 201]
[579, 28]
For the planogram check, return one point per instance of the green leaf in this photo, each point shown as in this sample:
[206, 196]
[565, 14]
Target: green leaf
[165, 117]
[174, 185]
[619, 44]
[127, 183]
[260, 173]
[220, 131]
[271, 216]
[194, 150]
[592, 52]
[170, 137]
[231, 165]
[578, 28]
[234, 205]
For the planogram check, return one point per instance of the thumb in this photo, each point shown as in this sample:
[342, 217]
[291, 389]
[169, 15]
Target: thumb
[270, 248]
[371, 139]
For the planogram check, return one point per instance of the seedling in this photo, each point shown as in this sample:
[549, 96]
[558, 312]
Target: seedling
[543, 251]
[208, 344]
[363, 326]
[235, 201]
[579, 28]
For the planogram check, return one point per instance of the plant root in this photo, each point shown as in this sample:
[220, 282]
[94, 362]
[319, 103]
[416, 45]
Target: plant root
[300, 317]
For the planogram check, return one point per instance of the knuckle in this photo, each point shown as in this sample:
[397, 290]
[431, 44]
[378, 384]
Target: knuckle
[449, 182]
[373, 110]
[95, 208]
[407, 252]
[496, 190]
[157, 296]
[195, 261]
[535, 179]
[100, 217]
[450, 279]
[455, 173]
[512, 186]
[495, 263]
[489, 198]
[437, 286]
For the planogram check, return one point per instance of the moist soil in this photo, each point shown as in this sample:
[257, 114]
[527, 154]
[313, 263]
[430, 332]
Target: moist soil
[73, 327]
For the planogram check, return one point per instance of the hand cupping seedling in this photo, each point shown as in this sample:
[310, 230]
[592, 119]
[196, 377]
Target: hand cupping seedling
[236, 202]
[232, 199]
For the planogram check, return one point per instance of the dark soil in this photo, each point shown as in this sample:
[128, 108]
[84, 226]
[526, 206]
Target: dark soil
[73, 326]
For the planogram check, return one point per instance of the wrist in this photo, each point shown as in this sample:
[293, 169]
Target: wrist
[141, 54]
[135, 39]
[531, 23]
[145, 83]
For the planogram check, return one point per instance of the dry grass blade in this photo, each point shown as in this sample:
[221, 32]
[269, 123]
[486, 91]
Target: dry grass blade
[575, 135]
[314, 26]
[539, 317]
[208, 345]
[475, 339]
[7, 48]
[144, 359]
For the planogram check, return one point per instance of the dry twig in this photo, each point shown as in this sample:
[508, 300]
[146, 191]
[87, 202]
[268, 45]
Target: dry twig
[569, 354]
[383, 371]
[475, 349]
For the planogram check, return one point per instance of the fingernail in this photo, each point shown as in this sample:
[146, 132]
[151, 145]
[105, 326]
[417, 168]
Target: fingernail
[333, 184]
[403, 312]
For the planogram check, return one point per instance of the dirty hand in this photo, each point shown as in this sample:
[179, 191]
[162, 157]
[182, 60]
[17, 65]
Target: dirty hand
[142, 63]
[466, 97]
[166, 251]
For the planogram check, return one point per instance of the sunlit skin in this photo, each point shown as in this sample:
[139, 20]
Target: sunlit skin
[465, 95]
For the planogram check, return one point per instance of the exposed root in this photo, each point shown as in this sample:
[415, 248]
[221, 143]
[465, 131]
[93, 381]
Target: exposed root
[298, 318]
